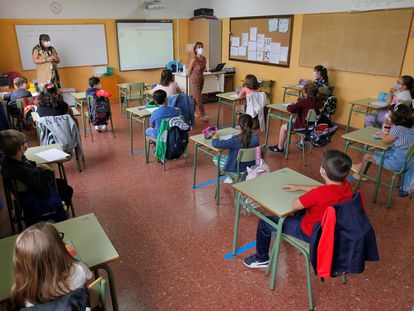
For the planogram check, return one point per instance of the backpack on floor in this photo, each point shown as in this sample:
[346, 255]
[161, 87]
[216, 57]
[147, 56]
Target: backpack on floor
[100, 110]
[320, 133]
[177, 141]
[329, 106]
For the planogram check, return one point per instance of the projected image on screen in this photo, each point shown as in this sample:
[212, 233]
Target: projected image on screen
[144, 44]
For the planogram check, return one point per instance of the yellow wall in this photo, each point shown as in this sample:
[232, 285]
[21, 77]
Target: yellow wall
[77, 77]
[348, 85]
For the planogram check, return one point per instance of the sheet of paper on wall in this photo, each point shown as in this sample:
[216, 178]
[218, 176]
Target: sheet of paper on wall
[267, 47]
[259, 56]
[267, 56]
[252, 46]
[274, 58]
[235, 41]
[234, 51]
[253, 33]
[273, 24]
[284, 51]
[275, 47]
[99, 71]
[242, 51]
[283, 25]
[245, 38]
[260, 42]
[252, 55]
[268, 41]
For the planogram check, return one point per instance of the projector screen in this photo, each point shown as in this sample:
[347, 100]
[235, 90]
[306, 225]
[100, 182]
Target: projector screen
[144, 44]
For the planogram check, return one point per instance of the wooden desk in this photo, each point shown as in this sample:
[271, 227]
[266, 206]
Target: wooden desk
[141, 116]
[213, 82]
[295, 90]
[362, 139]
[266, 191]
[364, 106]
[230, 98]
[80, 100]
[279, 111]
[205, 146]
[31, 155]
[90, 240]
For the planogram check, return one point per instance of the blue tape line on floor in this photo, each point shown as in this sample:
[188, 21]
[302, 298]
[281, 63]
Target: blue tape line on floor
[241, 250]
[209, 182]
[137, 151]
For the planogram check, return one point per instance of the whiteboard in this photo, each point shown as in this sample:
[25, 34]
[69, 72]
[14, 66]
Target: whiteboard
[77, 45]
[144, 44]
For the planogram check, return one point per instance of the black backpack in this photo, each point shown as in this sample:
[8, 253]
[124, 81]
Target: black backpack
[100, 110]
[177, 141]
[320, 133]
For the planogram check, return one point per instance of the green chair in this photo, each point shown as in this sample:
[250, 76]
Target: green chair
[310, 118]
[303, 248]
[89, 101]
[97, 294]
[399, 174]
[244, 155]
[134, 92]
[20, 103]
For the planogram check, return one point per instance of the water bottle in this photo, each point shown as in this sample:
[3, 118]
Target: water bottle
[184, 69]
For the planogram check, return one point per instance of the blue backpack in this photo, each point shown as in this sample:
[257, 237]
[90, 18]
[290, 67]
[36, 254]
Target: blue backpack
[177, 141]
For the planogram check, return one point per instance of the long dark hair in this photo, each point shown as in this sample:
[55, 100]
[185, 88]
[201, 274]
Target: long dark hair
[323, 71]
[250, 81]
[312, 91]
[43, 37]
[402, 115]
[166, 77]
[246, 123]
[49, 97]
[408, 81]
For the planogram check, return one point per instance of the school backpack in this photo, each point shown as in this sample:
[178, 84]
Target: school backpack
[100, 110]
[329, 106]
[177, 141]
[320, 133]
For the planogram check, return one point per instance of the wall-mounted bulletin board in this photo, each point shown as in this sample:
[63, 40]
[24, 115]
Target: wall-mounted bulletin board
[261, 39]
[366, 42]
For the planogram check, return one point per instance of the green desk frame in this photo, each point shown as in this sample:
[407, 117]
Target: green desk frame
[142, 117]
[292, 90]
[228, 99]
[361, 106]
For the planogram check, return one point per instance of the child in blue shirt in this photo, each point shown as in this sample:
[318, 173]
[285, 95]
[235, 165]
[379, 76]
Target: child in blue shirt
[246, 139]
[21, 92]
[162, 112]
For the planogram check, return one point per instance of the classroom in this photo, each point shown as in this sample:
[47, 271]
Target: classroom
[207, 155]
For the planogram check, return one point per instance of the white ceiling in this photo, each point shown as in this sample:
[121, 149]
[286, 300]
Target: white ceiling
[121, 9]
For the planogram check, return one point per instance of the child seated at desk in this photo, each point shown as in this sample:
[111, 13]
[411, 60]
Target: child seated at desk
[167, 84]
[402, 91]
[50, 102]
[38, 179]
[163, 112]
[21, 92]
[99, 110]
[320, 73]
[310, 206]
[250, 85]
[44, 270]
[312, 100]
[401, 135]
[246, 139]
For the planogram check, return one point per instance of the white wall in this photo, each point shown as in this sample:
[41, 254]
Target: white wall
[118, 9]
[234, 8]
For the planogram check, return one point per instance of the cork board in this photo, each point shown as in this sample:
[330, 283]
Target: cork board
[261, 39]
[364, 42]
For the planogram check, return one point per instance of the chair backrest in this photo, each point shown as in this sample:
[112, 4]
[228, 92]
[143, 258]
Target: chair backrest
[22, 102]
[410, 153]
[269, 85]
[97, 292]
[248, 155]
[311, 116]
[136, 87]
[326, 90]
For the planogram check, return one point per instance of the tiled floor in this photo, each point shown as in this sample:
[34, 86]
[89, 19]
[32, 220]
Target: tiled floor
[172, 238]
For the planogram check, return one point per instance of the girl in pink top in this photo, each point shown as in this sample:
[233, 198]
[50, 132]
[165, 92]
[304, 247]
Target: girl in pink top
[167, 84]
[250, 85]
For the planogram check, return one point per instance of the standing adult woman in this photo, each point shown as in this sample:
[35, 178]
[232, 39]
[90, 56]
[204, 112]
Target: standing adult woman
[198, 65]
[46, 59]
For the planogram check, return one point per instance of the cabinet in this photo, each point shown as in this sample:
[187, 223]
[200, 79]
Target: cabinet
[209, 33]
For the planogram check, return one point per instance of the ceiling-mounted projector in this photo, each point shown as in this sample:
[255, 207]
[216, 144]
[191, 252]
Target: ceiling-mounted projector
[152, 5]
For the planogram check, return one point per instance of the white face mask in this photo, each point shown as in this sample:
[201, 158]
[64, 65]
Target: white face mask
[314, 74]
[46, 44]
[199, 51]
[397, 86]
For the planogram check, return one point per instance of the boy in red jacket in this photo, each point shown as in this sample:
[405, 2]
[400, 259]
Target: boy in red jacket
[311, 206]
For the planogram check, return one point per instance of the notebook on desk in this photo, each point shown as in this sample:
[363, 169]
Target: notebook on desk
[378, 104]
